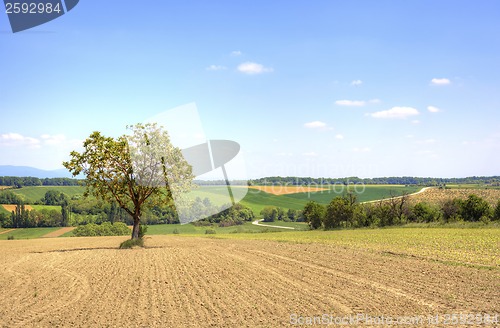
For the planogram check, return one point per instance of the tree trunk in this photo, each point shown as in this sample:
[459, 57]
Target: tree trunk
[135, 229]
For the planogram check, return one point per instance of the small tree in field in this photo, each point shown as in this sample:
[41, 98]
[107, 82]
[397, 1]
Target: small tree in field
[137, 171]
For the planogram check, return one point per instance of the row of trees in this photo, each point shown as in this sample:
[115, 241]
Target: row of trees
[19, 182]
[21, 217]
[271, 214]
[346, 212]
[305, 181]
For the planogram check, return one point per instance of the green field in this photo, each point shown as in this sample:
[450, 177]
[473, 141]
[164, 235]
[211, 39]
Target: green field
[462, 246]
[257, 200]
[4, 211]
[33, 194]
[28, 233]
[46, 207]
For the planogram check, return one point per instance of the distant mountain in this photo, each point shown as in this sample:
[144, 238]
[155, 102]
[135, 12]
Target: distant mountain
[27, 171]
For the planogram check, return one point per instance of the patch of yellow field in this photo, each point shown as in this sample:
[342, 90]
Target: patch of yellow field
[285, 190]
[11, 208]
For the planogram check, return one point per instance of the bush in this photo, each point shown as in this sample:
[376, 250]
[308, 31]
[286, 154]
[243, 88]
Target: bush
[496, 214]
[10, 237]
[176, 231]
[474, 208]
[105, 229]
[451, 210]
[130, 243]
[210, 232]
[423, 212]
[142, 231]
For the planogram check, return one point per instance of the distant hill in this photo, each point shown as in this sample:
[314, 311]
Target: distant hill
[27, 171]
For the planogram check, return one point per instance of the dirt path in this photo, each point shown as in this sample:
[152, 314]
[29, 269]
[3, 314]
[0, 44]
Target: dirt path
[6, 231]
[257, 223]
[202, 282]
[59, 232]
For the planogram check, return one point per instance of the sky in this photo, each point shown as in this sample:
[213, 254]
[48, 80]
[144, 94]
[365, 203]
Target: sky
[318, 88]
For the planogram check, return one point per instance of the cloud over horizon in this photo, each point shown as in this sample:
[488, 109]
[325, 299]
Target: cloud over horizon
[396, 113]
[251, 68]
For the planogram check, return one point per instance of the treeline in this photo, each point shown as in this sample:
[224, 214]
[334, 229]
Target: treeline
[88, 210]
[304, 181]
[345, 212]
[19, 182]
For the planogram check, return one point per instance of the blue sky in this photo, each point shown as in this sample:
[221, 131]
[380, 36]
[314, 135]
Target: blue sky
[323, 88]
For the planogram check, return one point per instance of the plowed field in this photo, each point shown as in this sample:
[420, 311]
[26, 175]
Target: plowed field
[202, 282]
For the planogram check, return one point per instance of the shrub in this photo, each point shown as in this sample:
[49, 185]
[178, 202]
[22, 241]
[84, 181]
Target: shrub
[105, 229]
[10, 237]
[474, 208]
[142, 230]
[130, 243]
[496, 214]
[423, 212]
[210, 232]
[451, 210]
[176, 231]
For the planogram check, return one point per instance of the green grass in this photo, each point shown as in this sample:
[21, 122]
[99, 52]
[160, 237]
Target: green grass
[28, 233]
[4, 211]
[46, 207]
[462, 246]
[33, 194]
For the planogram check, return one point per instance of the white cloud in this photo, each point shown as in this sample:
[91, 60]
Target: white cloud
[310, 154]
[375, 101]
[352, 103]
[339, 136]
[441, 81]
[415, 122]
[253, 68]
[315, 125]
[215, 68]
[356, 82]
[433, 109]
[18, 140]
[396, 112]
[361, 150]
[236, 53]
[53, 140]
[429, 141]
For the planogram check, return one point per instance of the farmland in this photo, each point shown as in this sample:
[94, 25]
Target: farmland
[437, 196]
[253, 280]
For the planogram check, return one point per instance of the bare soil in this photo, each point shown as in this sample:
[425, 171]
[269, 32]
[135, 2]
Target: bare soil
[204, 282]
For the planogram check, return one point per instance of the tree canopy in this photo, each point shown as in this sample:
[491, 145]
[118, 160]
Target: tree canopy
[137, 171]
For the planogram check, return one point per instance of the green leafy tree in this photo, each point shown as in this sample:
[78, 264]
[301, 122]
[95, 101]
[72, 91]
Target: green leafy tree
[338, 211]
[138, 171]
[314, 214]
[475, 207]
[496, 214]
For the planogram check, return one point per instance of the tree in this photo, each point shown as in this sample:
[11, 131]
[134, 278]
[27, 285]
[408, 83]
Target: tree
[269, 214]
[475, 207]
[496, 213]
[138, 171]
[339, 210]
[314, 214]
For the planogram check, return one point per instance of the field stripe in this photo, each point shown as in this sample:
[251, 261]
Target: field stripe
[59, 232]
